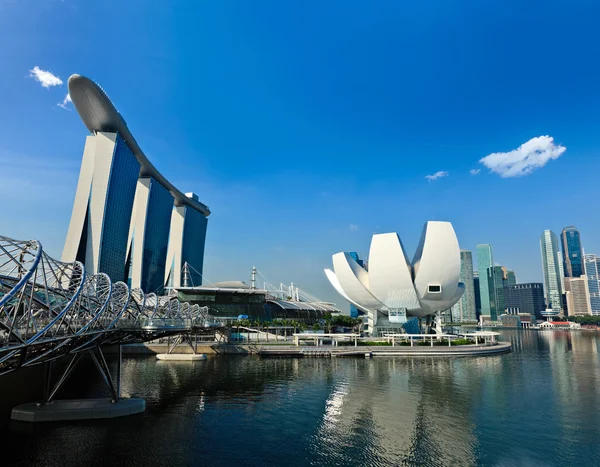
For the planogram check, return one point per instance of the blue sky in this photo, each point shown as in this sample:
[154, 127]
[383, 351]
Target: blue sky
[308, 127]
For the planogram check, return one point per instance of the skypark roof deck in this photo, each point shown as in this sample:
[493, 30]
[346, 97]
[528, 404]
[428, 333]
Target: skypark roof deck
[100, 115]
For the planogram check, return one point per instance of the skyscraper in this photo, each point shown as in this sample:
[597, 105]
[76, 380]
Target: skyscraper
[577, 296]
[510, 277]
[149, 235]
[572, 253]
[125, 212]
[484, 262]
[561, 264]
[466, 310]
[551, 269]
[525, 298]
[186, 245]
[592, 272]
[496, 280]
[99, 225]
[477, 294]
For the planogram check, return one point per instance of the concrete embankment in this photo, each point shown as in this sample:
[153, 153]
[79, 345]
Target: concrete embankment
[322, 351]
[385, 351]
[213, 349]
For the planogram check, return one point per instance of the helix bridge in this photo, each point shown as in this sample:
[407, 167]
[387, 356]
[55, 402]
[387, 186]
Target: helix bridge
[50, 309]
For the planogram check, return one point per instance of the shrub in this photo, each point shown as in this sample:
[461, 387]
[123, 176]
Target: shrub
[374, 343]
[462, 341]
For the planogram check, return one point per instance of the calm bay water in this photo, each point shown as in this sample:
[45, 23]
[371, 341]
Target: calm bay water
[539, 406]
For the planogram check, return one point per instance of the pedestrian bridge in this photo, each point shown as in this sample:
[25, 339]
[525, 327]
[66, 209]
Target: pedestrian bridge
[49, 309]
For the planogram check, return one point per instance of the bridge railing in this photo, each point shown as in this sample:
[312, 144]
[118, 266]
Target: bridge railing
[158, 324]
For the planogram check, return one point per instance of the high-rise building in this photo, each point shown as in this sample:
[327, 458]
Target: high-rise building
[99, 225]
[577, 296]
[465, 307]
[592, 273]
[477, 294]
[149, 235]
[572, 252]
[485, 261]
[525, 298]
[561, 263]
[495, 279]
[510, 277]
[186, 246]
[355, 312]
[551, 269]
[125, 212]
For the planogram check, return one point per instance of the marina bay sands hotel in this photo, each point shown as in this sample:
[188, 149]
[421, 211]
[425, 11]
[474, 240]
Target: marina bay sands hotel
[128, 220]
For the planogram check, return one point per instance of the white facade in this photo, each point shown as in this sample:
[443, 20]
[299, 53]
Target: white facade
[395, 288]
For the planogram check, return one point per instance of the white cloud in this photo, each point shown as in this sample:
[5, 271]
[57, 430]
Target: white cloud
[474, 171]
[353, 227]
[528, 157]
[435, 176]
[65, 101]
[45, 78]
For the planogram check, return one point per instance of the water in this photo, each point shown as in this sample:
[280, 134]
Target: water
[537, 406]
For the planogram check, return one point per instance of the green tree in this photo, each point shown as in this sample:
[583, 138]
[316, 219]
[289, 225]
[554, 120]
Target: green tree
[328, 322]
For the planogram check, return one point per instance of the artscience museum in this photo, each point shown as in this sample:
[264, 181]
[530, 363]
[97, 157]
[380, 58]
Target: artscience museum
[399, 295]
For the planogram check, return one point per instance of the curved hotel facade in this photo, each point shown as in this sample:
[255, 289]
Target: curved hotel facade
[128, 220]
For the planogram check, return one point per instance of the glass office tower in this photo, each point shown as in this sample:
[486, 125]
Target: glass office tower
[592, 272]
[466, 304]
[525, 298]
[572, 252]
[477, 294]
[495, 280]
[510, 277]
[551, 270]
[484, 262]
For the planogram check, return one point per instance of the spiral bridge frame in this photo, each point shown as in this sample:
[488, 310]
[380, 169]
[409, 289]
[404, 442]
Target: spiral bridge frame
[49, 309]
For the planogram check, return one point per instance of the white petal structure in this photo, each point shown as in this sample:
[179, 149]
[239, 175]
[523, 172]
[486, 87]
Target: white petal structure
[394, 289]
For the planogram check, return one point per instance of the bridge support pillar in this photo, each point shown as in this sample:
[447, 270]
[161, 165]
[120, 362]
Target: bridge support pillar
[80, 409]
[182, 338]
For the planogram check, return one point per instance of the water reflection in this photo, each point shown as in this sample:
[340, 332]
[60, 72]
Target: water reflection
[535, 406]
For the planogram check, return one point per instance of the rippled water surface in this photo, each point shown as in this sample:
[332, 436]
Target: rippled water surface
[538, 405]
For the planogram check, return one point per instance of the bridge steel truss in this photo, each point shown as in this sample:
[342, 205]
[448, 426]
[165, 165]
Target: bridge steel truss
[49, 309]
